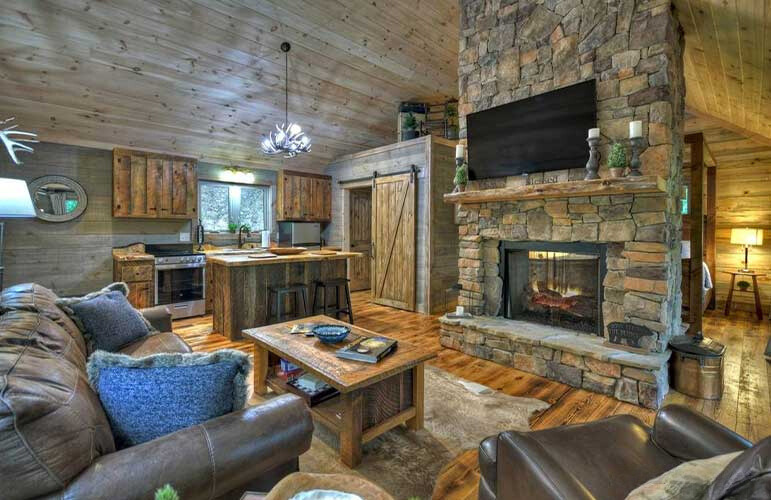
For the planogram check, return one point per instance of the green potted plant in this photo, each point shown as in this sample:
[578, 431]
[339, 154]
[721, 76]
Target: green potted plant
[617, 160]
[166, 493]
[461, 177]
[452, 123]
[409, 127]
[232, 227]
[743, 285]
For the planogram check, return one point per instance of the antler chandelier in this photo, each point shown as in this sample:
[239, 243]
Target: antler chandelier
[13, 139]
[288, 139]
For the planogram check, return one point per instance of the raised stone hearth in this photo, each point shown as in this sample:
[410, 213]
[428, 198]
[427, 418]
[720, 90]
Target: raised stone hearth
[569, 357]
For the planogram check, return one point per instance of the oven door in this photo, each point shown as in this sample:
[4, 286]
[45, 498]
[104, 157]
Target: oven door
[181, 287]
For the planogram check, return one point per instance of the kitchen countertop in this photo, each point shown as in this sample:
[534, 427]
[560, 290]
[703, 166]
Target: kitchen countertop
[244, 260]
[130, 257]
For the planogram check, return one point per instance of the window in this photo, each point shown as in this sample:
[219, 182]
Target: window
[222, 205]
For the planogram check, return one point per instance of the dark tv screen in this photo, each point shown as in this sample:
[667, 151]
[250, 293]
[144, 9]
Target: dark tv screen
[537, 134]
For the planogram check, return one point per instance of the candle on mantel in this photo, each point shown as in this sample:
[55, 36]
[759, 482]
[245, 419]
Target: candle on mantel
[635, 129]
[459, 151]
[594, 133]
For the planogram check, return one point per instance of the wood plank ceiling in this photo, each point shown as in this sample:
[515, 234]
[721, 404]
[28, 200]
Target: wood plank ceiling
[206, 78]
[728, 60]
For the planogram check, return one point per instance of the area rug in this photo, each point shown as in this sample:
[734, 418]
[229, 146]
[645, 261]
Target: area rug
[458, 415]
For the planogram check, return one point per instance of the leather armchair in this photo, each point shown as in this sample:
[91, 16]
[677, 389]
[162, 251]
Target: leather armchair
[605, 459]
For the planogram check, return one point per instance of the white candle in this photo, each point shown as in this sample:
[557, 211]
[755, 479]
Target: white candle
[635, 129]
[459, 150]
[594, 133]
[459, 310]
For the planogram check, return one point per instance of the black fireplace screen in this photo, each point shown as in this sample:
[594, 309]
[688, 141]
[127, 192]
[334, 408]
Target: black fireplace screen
[557, 284]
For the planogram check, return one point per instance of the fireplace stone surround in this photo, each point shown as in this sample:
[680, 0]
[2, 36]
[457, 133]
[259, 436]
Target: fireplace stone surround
[640, 286]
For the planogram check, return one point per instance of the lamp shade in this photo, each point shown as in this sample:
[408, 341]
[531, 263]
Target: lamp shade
[15, 200]
[746, 236]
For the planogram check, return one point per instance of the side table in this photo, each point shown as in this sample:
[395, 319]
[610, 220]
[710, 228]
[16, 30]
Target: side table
[755, 290]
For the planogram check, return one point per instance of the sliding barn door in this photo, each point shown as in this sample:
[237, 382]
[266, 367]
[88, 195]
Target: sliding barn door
[393, 237]
[360, 271]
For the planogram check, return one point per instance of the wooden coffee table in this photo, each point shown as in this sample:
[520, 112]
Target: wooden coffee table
[373, 399]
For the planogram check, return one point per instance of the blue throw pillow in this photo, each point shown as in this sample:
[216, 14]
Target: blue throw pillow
[145, 398]
[106, 318]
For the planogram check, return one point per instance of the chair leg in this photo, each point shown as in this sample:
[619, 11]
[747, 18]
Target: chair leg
[305, 301]
[279, 306]
[315, 304]
[348, 300]
[324, 298]
[337, 302]
[268, 311]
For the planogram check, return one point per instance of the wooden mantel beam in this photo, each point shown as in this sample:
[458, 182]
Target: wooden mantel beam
[597, 187]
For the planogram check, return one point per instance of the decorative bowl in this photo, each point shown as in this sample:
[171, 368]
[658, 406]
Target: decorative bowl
[331, 334]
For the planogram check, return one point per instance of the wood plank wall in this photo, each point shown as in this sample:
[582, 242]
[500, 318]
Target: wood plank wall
[74, 257]
[743, 200]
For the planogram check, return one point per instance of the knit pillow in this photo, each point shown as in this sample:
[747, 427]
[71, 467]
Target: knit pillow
[687, 481]
[106, 318]
[145, 398]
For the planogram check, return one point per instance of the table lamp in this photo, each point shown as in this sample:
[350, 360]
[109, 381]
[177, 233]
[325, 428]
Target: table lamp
[747, 237]
[15, 201]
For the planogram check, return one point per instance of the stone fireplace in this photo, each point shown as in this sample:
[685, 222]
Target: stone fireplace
[557, 284]
[544, 276]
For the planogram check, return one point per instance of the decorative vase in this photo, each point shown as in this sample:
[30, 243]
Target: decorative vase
[616, 172]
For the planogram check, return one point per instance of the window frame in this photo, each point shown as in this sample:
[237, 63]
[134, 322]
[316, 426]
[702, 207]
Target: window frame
[234, 203]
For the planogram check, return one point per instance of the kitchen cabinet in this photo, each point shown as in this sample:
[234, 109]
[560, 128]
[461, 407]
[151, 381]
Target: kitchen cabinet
[304, 197]
[139, 275]
[148, 185]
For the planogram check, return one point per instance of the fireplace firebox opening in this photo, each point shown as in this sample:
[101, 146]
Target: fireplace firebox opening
[558, 284]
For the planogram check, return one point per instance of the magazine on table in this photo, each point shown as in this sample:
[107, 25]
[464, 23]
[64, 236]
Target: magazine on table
[368, 349]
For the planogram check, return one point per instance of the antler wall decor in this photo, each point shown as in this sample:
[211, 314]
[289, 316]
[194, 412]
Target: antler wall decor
[13, 139]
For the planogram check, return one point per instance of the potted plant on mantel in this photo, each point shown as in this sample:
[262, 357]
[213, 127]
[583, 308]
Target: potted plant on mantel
[617, 160]
[409, 127]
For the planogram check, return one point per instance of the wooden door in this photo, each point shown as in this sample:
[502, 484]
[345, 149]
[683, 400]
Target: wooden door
[393, 236]
[360, 238]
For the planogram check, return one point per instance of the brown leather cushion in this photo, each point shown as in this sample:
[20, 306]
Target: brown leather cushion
[25, 328]
[488, 461]
[747, 476]
[610, 457]
[52, 425]
[39, 299]
[154, 344]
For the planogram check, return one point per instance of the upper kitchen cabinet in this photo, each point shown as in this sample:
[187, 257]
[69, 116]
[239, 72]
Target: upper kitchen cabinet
[149, 185]
[304, 197]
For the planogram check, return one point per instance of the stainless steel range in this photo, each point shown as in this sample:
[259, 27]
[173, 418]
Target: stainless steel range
[180, 279]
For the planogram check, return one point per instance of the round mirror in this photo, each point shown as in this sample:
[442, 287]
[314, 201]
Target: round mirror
[57, 198]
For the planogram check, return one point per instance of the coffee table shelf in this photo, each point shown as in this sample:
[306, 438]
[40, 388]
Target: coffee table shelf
[373, 399]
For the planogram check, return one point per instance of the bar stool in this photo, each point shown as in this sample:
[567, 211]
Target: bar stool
[336, 307]
[297, 291]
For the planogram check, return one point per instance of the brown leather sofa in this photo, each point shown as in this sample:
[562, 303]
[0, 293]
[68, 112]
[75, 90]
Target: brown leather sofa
[55, 440]
[602, 460]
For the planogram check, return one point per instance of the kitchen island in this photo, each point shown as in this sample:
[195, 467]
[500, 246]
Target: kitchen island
[240, 285]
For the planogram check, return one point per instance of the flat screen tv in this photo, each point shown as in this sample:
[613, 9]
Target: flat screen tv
[537, 134]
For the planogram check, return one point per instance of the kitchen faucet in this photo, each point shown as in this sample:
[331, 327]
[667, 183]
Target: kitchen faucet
[243, 228]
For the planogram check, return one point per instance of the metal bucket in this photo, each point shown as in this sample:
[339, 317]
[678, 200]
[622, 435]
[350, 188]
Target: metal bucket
[698, 376]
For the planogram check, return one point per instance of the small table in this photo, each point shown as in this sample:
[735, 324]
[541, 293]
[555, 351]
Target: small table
[373, 399]
[756, 291]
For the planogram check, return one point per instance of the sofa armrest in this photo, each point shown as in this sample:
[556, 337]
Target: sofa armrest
[689, 435]
[204, 461]
[526, 470]
[159, 317]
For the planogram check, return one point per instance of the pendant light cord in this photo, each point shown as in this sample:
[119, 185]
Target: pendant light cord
[286, 88]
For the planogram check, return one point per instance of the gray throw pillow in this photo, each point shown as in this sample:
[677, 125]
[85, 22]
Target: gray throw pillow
[145, 398]
[687, 481]
[106, 318]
